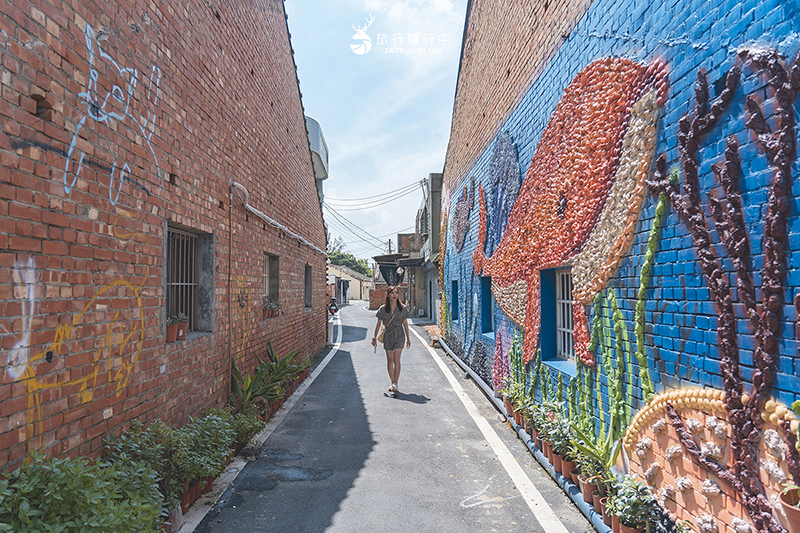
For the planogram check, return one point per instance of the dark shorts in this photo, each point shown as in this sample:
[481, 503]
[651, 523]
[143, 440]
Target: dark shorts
[394, 338]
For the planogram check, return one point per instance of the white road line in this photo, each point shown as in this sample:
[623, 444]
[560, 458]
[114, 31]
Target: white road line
[541, 510]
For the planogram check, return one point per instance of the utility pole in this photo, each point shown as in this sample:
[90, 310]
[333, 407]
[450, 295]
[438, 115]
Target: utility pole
[390, 245]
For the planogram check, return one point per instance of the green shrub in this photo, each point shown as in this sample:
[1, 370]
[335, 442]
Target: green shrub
[160, 447]
[206, 443]
[66, 495]
[246, 424]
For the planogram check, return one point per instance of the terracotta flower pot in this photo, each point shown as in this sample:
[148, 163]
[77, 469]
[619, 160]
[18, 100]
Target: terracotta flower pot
[596, 501]
[509, 409]
[614, 523]
[517, 418]
[566, 468]
[625, 529]
[604, 511]
[183, 327]
[556, 462]
[186, 498]
[172, 333]
[574, 473]
[209, 481]
[547, 450]
[790, 501]
[587, 488]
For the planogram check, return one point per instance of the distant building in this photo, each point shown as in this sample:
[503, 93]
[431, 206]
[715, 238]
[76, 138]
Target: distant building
[346, 284]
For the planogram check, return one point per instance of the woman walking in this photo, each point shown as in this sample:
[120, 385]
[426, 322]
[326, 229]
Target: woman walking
[394, 316]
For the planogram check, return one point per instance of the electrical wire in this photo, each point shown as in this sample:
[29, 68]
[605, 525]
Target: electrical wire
[373, 205]
[352, 228]
[402, 191]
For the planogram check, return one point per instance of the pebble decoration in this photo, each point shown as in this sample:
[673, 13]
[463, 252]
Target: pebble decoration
[707, 524]
[741, 526]
[709, 400]
[673, 452]
[711, 488]
[652, 472]
[643, 446]
[683, 483]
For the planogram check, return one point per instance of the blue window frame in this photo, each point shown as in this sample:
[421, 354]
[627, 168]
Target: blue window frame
[454, 300]
[487, 305]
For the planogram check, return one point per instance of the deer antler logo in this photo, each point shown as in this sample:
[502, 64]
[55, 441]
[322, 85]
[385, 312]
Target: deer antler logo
[361, 35]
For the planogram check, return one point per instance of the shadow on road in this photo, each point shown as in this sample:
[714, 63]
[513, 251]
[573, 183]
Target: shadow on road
[311, 459]
[353, 334]
[413, 398]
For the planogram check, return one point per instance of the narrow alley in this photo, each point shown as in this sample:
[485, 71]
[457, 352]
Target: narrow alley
[435, 458]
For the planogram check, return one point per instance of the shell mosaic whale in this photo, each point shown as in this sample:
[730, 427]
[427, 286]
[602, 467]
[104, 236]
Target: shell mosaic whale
[582, 194]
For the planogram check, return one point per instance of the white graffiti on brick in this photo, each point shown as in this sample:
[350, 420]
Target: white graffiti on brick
[110, 107]
[24, 282]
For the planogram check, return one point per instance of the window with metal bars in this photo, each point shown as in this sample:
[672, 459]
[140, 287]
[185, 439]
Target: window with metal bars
[565, 345]
[271, 270]
[308, 301]
[181, 273]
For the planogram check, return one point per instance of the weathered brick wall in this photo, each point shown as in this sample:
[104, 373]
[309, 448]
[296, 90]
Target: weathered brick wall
[658, 320]
[506, 47]
[187, 99]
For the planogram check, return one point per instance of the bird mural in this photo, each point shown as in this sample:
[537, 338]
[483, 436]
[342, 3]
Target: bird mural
[582, 194]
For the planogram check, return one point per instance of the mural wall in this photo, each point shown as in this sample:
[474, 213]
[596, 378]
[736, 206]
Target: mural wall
[653, 157]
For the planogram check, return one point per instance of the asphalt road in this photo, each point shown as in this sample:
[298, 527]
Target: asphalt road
[350, 457]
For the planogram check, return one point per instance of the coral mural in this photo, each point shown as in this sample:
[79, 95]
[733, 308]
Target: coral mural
[744, 411]
[581, 197]
[690, 358]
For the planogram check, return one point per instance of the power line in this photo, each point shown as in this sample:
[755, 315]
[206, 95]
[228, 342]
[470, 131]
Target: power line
[349, 225]
[374, 204]
[378, 197]
[344, 229]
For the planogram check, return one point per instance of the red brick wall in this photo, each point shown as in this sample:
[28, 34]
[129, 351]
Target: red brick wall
[507, 45]
[82, 290]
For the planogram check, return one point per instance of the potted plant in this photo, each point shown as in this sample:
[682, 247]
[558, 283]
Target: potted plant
[630, 500]
[270, 307]
[172, 326]
[603, 454]
[183, 326]
[245, 425]
[790, 499]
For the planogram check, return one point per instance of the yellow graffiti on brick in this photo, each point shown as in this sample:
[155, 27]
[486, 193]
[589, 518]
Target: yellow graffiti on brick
[22, 366]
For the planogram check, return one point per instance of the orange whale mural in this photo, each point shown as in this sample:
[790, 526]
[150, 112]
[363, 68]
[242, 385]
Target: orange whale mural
[582, 194]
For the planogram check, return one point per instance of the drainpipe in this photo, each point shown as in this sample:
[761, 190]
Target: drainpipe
[230, 309]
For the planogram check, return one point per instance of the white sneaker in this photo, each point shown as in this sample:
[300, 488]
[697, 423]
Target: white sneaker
[394, 388]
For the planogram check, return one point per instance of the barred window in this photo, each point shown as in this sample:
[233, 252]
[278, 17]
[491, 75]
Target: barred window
[564, 319]
[190, 277]
[308, 286]
[271, 270]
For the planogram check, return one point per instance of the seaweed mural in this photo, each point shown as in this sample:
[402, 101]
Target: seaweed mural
[746, 412]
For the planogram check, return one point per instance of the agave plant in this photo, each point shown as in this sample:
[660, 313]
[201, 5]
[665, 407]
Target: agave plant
[248, 388]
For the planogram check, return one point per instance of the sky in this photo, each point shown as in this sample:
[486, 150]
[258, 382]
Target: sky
[384, 100]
